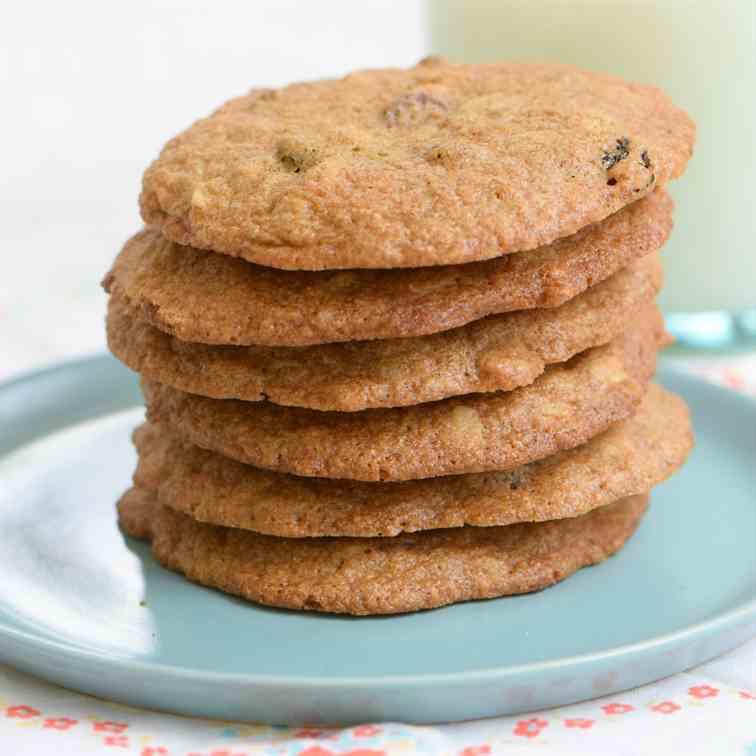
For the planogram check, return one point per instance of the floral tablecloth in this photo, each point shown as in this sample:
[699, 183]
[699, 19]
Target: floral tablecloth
[709, 710]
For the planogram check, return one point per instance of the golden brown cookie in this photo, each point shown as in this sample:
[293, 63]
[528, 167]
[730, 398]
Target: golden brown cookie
[380, 575]
[203, 297]
[435, 165]
[628, 459]
[499, 353]
[570, 403]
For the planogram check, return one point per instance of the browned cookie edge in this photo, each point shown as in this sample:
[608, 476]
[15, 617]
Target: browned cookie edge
[380, 575]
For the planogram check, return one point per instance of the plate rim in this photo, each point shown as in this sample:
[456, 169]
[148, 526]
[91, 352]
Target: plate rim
[730, 619]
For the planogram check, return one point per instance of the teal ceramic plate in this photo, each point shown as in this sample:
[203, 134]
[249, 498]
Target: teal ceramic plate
[84, 607]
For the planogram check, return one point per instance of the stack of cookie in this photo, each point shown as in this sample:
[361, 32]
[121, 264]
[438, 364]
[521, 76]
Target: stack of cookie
[396, 335]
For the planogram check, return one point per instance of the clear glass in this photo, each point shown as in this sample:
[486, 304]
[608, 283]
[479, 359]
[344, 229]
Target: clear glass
[703, 53]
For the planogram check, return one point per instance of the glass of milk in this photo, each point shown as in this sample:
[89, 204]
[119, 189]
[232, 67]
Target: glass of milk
[703, 54]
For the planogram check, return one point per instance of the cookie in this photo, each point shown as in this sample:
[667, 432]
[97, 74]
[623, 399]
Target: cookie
[499, 353]
[203, 297]
[380, 575]
[435, 165]
[628, 459]
[570, 403]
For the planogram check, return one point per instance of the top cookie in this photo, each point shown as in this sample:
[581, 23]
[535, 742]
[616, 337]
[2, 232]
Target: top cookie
[433, 165]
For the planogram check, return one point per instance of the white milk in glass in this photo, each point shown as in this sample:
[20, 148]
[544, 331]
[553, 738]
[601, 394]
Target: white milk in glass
[703, 54]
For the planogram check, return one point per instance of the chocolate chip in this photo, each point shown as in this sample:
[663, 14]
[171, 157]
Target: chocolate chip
[620, 152]
[645, 160]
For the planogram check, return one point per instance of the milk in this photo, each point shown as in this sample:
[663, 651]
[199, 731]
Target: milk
[702, 53]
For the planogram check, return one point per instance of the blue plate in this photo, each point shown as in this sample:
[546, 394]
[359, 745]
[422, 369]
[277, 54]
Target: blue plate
[84, 607]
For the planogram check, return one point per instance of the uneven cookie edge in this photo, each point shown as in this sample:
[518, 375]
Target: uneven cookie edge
[220, 491]
[137, 511]
[194, 368]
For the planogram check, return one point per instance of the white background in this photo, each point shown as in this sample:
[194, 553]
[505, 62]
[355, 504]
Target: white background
[89, 92]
